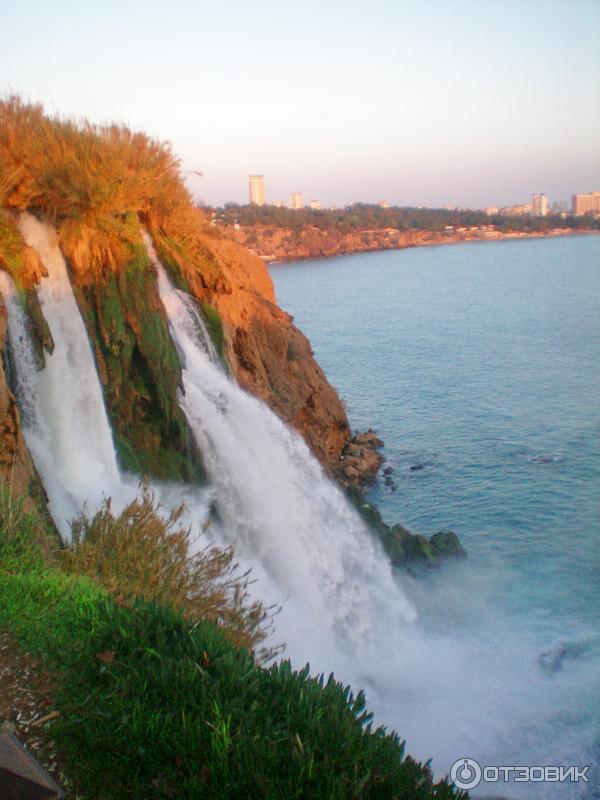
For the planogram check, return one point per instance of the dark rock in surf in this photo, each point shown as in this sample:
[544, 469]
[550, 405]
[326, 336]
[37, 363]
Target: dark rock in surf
[408, 550]
[446, 544]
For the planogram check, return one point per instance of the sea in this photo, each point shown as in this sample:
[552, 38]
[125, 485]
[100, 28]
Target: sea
[478, 364]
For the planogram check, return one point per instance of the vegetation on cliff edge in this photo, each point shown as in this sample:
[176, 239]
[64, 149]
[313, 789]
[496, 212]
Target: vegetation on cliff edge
[99, 185]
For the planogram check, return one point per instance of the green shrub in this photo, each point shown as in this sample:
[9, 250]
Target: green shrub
[143, 553]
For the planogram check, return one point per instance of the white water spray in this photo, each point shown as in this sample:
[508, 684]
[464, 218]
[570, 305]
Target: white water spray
[65, 422]
[274, 500]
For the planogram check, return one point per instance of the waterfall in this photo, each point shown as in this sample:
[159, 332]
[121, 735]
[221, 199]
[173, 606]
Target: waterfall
[65, 424]
[274, 500]
[306, 545]
[21, 350]
[284, 516]
[68, 433]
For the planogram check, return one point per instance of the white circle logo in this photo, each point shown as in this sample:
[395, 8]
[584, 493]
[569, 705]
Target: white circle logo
[465, 773]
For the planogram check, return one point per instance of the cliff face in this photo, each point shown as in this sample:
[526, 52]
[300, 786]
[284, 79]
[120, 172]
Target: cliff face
[284, 244]
[281, 244]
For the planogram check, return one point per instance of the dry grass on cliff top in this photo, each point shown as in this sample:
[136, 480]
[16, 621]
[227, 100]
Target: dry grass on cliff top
[89, 180]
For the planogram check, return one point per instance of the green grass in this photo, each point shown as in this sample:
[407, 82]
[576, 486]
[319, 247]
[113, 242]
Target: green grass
[27, 540]
[153, 705]
[174, 709]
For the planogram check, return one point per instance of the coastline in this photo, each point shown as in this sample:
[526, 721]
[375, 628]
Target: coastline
[280, 245]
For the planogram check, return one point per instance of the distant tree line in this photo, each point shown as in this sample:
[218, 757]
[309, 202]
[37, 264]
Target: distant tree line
[364, 216]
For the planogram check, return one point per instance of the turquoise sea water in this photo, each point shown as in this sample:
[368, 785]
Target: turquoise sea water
[479, 365]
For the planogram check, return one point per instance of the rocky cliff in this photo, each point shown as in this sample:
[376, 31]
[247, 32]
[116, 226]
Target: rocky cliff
[102, 188]
[284, 244]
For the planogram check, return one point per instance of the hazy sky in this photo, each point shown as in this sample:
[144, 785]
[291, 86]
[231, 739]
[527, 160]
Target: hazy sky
[420, 102]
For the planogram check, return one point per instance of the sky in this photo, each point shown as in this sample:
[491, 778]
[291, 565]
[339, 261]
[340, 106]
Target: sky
[468, 103]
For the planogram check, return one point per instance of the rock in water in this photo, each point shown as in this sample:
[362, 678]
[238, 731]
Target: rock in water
[446, 544]
[408, 550]
[360, 461]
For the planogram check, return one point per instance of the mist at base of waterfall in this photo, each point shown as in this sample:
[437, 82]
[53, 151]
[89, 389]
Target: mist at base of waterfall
[479, 366]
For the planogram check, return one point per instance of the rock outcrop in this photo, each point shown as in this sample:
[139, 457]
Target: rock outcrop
[360, 461]
[407, 550]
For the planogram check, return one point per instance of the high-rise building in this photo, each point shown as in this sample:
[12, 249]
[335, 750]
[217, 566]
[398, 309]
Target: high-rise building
[540, 205]
[383, 204]
[296, 200]
[316, 204]
[586, 203]
[256, 187]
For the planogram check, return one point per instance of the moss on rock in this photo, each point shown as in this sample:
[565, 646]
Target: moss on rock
[214, 327]
[139, 367]
[405, 549]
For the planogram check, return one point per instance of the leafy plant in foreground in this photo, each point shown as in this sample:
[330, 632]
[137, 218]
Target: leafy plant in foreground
[143, 552]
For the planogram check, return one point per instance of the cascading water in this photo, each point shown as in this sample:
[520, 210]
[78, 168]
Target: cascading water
[275, 502]
[448, 681]
[288, 521]
[65, 423]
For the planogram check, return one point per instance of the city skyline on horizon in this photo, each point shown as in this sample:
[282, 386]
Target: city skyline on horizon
[463, 104]
[257, 194]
